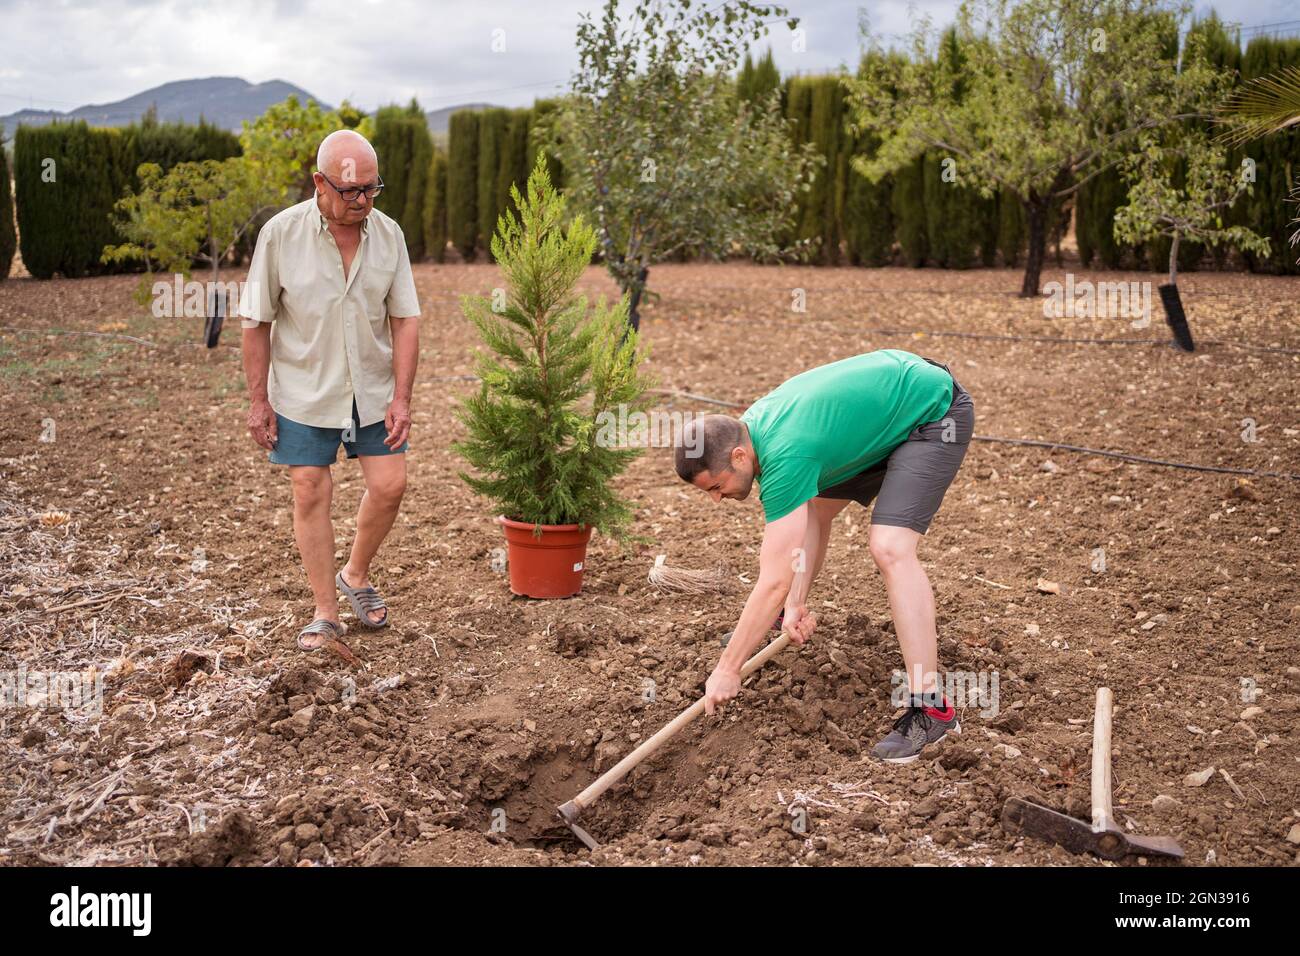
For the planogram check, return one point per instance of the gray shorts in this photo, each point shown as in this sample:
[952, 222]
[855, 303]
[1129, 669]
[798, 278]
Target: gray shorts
[909, 485]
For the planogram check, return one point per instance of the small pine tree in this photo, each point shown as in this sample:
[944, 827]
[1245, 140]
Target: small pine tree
[553, 373]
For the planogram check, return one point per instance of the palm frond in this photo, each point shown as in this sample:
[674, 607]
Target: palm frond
[1267, 104]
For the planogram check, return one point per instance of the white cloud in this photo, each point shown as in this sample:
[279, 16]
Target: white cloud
[65, 53]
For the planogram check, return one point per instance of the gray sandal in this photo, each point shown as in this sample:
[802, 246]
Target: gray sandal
[329, 629]
[363, 601]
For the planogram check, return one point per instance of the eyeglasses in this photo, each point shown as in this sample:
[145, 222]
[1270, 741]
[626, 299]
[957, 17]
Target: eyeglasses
[350, 193]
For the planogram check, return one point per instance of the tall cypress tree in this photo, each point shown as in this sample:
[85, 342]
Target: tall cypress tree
[435, 208]
[8, 238]
[417, 185]
[492, 125]
[868, 219]
[462, 182]
[1011, 228]
[907, 202]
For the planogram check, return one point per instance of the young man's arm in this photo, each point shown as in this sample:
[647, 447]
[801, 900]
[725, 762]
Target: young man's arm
[406, 354]
[806, 565]
[776, 561]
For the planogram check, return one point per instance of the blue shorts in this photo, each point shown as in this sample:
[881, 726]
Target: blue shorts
[299, 444]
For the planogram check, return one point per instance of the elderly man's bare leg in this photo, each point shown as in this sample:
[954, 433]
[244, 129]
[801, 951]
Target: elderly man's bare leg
[385, 484]
[313, 490]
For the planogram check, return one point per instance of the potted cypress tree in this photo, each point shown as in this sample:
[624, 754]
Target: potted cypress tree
[554, 372]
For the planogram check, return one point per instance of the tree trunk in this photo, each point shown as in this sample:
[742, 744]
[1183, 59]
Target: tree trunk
[1173, 259]
[634, 299]
[1037, 214]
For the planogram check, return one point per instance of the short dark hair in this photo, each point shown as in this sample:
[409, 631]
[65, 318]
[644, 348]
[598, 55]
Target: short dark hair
[706, 444]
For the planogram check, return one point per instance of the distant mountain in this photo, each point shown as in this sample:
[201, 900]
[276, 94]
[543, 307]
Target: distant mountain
[224, 101]
[438, 118]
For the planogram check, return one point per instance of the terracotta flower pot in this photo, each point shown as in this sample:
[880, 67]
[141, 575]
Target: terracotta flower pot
[549, 566]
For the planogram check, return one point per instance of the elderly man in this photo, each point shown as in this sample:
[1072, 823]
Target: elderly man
[887, 427]
[330, 342]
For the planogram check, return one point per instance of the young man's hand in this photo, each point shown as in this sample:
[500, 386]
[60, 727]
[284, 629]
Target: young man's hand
[723, 685]
[798, 623]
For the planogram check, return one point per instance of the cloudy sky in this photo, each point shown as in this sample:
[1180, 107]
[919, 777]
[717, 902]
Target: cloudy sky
[60, 54]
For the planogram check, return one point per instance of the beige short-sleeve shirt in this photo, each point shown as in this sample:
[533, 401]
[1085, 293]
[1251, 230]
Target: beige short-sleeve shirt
[330, 336]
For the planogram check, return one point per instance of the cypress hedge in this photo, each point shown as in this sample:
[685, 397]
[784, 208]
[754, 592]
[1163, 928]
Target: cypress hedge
[66, 178]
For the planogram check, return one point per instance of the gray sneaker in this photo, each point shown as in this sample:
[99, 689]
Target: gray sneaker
[913, 731]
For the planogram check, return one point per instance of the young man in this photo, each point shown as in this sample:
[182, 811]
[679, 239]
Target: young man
[330, 345]
[887, 426]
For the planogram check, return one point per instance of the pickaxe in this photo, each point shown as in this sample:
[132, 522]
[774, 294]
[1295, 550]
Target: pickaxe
[1103, 838]
[570, 811]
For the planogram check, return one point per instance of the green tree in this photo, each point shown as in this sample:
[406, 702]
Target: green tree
[659, 150]
[282, 144]
[553, 372]
[1033, 109]
[195, 212]
[1187, 203]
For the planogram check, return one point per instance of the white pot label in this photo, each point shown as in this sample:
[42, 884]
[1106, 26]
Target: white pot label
[577, 566]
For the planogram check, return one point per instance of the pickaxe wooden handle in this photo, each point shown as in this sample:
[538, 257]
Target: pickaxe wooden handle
[1103, 813]
[1103, 837]
[574, 808]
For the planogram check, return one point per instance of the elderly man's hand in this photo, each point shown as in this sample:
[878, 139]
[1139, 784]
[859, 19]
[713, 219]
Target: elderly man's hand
[261, 424]
[398, 422]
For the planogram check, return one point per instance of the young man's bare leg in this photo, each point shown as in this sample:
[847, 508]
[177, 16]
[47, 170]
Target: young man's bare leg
[911, 603]
[385, 477]
[313, 490]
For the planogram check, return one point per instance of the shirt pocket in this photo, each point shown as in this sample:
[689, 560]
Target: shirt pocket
[376, 282]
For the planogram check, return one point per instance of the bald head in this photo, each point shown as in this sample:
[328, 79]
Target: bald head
[347, 156]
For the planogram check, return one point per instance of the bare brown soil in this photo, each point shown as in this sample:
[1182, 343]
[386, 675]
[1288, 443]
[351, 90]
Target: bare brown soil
[175, 576]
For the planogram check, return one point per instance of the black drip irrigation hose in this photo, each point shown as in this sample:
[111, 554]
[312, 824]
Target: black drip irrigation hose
[988, 336]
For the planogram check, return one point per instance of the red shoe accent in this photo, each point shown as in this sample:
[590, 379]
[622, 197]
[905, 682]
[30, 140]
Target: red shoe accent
[944, 715]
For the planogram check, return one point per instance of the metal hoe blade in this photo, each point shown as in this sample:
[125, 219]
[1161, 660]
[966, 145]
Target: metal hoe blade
[1076, 836]
[569, 814]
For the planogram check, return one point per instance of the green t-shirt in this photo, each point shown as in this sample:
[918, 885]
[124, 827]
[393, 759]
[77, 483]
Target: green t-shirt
[833, 422]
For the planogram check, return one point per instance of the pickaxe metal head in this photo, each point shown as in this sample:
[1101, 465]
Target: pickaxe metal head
[569, 814]
[1021, 816]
